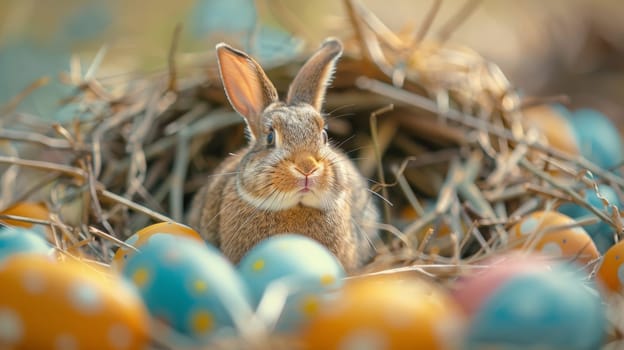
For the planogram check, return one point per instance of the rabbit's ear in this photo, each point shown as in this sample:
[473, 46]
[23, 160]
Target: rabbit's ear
[312, 80]
[246, 85]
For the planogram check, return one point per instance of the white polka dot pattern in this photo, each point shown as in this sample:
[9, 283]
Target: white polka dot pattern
[11, 328]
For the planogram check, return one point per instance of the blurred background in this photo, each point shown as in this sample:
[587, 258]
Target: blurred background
[572, 47]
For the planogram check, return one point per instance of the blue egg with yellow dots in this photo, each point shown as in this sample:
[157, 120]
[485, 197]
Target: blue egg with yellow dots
[598, 138]
[601, 232]
[541, 309]
[189, 286]
[17, 240]
[301, 266]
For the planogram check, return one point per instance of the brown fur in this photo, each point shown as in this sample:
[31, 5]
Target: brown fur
[255, 194]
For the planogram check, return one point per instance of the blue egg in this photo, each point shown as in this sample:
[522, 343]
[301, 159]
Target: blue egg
[304, 266]
[190, 286]
[553, 309]
[598, 139]
[601, 232]
[15, 240]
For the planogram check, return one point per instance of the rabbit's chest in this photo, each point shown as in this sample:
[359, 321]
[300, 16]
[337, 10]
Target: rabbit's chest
[241, 232]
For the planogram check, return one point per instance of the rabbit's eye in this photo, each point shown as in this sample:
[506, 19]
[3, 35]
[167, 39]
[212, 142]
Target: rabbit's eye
[324, 136]
[270, 138]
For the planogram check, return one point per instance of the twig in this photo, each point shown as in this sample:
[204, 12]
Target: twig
[173, 75]
[380, 172]
[134, 206]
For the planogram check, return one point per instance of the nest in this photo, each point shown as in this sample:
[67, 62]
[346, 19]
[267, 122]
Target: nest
[438, 130]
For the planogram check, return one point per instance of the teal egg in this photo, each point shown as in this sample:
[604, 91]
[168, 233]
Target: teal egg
[303, 265]
[190, 286]
[598, 138]
[601, 232]
[552, 309]
[14, 240]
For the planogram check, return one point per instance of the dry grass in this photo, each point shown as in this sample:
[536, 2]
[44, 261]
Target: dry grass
[426, 122]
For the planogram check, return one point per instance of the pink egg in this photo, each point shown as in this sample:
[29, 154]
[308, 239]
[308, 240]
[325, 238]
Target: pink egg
[473, 289]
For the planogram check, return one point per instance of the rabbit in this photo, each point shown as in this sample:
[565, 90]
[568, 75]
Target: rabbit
[289, 179]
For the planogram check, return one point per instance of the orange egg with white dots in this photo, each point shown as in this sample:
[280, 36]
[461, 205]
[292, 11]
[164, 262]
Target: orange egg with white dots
[554, 234]
[386, 313]
[31, 210]
[143, 235]
[47, 304]
[611, 271]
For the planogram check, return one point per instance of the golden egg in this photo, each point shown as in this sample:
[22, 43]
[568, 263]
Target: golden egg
[143, 235]
[386, 313]
[551, 233]
[611, 271]
[32, 210]
[47, 304]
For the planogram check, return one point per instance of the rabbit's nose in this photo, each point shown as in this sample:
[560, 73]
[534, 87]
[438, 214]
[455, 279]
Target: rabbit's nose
[306, 164]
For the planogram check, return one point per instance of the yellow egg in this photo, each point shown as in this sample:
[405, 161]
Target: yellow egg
[544, 231]
[46, 304]
[611, 271]
[143, 235]
[553, 122]
[386, 313]
[32, 210]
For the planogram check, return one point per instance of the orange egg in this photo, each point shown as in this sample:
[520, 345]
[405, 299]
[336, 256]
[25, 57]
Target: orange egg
[32, 210]
[544, 231]
[143, 235]
[553, 122]
[386, 313]
[45, 304]
[611, 271]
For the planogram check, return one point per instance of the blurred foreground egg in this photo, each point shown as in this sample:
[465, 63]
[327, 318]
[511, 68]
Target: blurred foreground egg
[189, 286]
[385, 313]
[143, 236]
[540, 310]
[602, 233]
[17, 240]
[302, 264]
[45, 304]
[549, 232]
[483, 280]
[611, 271]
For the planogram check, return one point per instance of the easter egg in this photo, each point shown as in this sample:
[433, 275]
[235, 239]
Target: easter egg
[552, 309]
[550, 233]
[598, 138]
[304, 266]
[17, 240]
[30, 210]
[47, 304]
[611, 272]
[601, 232]
[189, 286]
[472, 289]
[553, 122]
[143, 235]
[382, 313]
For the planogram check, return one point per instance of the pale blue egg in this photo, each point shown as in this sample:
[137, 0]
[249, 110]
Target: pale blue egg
[303, 265]
[190, 286]
[14, 240]
[598, 138]
[549, 310]
[601, 232]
